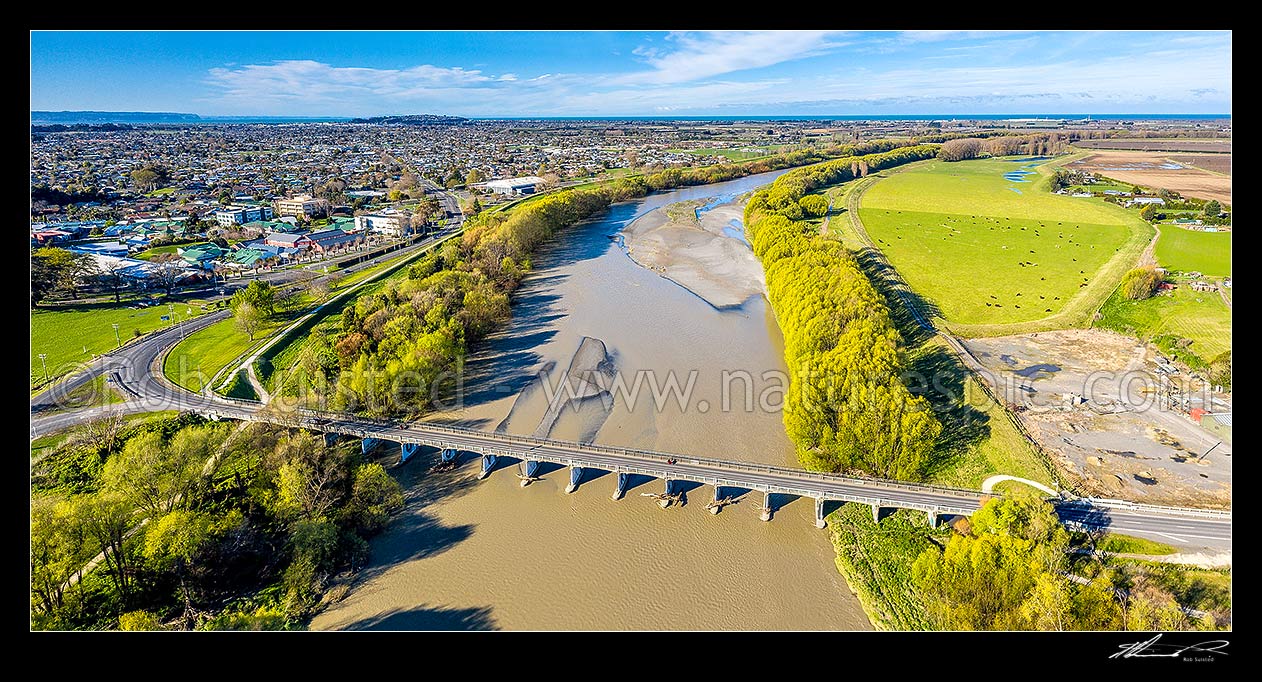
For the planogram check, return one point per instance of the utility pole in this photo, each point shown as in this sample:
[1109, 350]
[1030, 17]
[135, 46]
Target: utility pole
[116, 338]
[44, 364]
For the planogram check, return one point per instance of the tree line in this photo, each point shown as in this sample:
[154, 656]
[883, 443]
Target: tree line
[848, 408]
[400, 347]
[197, 525]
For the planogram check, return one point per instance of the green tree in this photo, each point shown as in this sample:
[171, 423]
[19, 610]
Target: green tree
[312, 478]
[473, 176]
[375, 495]
[813, 205]
[58, 541]
[247, 319]
[1140, 283]
[1212, 208]
[107, 519]
[174, 543]
[139, 621]
[258, 293]
[156, 476]
[1149, 212]
[55, 270]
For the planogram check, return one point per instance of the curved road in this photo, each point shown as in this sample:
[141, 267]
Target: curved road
[136, 370]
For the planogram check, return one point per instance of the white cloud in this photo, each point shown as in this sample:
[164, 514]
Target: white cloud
[307, 80]
[712, 53]
[700, 73]
[937, 36]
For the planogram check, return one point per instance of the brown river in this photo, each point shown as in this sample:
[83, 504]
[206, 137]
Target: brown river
[491, 554]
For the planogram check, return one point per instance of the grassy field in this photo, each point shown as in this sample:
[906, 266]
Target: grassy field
[150, 253]
[993, 256]
[1192, 251]
[1197, 315]
[72, 335]
[730, 154]
[195, 360]
[1127, 544]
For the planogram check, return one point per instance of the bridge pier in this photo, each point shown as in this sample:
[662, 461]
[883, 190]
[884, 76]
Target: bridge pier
[367, 444]
[765, 512]
[448, 455]
[330, 438]
[933, 518]
[621, 488]
[488, 462]
[876, 513]
[819, 513]
[406, 451]
[576, 475]
[716, 507]
[530, 466]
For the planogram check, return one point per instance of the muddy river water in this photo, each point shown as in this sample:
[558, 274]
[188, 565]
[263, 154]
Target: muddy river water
[491, 554]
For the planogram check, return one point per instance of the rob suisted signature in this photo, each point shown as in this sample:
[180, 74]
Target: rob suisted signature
[1152, 649]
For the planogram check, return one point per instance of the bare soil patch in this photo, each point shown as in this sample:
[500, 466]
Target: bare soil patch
[1124, 441]
[1155, 169]
[1218, 163]
[1216, 145]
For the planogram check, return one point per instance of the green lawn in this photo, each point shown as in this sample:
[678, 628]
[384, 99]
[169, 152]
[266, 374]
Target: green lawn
[72, 335]
[994, 255]
[1127, 544]
[1184, 313]
[195, 360]
[1192, 251]
[150, 253]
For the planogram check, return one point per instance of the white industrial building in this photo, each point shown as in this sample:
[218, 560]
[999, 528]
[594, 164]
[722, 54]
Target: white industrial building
[392, 224]
[515, 186]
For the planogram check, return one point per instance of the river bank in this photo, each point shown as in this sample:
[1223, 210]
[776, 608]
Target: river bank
[468, 554]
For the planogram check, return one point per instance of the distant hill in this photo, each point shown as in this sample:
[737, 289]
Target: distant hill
[46, 117]
[414, 120]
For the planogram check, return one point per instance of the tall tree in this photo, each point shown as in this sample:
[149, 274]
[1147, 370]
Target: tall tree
[247, 319]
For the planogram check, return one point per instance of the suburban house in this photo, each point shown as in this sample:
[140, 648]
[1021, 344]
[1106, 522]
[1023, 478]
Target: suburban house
[50, 237]
[1140, 201]
[201, 255]
[331, 241]
[240, 215]
[390, 224]
[515, 186]
[302, 206]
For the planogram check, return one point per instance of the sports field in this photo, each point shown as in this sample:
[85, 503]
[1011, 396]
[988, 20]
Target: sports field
[71, 335]
[1193, 251]
[996, 254]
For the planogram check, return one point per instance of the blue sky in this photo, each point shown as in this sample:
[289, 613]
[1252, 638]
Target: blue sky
[633, 73]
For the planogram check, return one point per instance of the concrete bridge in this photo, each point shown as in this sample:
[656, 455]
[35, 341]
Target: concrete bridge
[935, 501]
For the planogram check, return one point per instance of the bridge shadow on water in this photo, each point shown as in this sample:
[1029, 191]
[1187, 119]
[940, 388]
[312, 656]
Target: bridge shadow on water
[425, 617]
[415, 533]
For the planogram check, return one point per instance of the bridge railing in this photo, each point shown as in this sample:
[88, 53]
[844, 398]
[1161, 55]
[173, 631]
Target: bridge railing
[651, 455]
[1124, 505]
[319, 420]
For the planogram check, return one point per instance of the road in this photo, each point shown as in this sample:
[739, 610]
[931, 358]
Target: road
[137, 370]
[47, 399]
